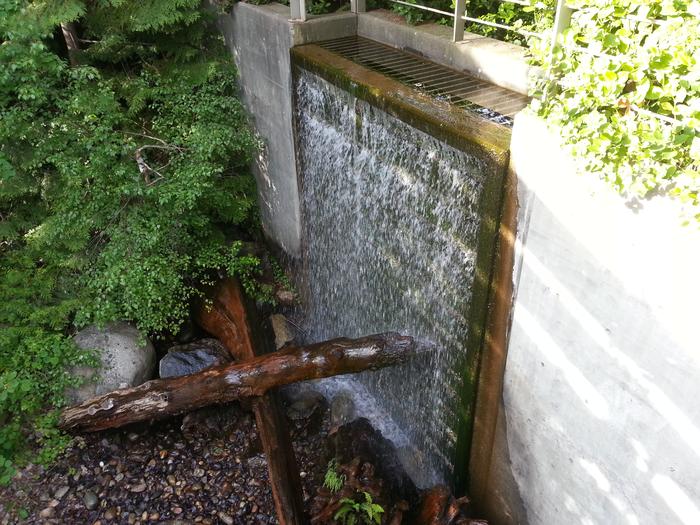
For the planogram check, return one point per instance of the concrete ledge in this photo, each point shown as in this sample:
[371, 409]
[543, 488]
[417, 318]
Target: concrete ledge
[498, 62]
[324, 27]
[470, 133]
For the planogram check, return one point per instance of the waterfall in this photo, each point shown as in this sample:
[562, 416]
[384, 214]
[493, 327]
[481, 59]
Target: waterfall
[391, 226]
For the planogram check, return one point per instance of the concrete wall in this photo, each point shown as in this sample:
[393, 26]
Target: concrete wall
[259, 38]
[602, 420]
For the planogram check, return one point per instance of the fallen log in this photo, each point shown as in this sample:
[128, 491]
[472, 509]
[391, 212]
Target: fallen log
[161, 398]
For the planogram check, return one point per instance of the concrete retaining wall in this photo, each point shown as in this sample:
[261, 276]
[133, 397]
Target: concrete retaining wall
[602, 421]
[259, 38]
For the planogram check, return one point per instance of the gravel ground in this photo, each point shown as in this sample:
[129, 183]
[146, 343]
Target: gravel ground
[206, 469]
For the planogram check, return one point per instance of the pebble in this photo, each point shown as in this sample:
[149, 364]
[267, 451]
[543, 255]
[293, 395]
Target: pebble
[164, 476]
[90, 500]
[140, 487]
[61, 491]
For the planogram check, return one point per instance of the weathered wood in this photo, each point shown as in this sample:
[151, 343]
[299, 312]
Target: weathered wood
[167, 397]
[233, 318]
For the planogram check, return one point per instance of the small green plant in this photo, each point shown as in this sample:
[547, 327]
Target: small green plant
[320, 7]
[352, 512]
[332, 480]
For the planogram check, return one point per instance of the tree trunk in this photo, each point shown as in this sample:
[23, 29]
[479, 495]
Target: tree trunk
[233, 318]
[167, 397]
[71, 38]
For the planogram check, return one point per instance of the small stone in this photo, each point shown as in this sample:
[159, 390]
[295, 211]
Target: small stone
[132, 436]
[90, 500]
[177, 510]
[172, 480]
[140, 487]
[119, 477]
[228, 520]
[198, 473]
[110, 514]
[154, 517]
[47, 513]
[61, 491]
[280, 328]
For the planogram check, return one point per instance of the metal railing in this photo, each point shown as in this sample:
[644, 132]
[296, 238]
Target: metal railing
[562, 20]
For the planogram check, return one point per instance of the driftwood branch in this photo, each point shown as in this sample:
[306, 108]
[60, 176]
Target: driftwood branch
[167, 397]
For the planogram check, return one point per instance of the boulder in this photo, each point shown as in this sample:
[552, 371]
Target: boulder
[182, 360]
[127, 359]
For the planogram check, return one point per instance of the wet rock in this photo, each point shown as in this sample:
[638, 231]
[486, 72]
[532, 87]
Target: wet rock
[285, 297]
[359, 439]
[90, 500]
[190, 358]
[127, 359]
[47, 513]
[342, 409]
[304, 405]
[281, 329]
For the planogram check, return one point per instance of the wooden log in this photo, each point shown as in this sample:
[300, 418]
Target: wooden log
[167, 397]
[233, 319]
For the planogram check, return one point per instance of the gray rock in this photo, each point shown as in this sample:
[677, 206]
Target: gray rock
[342, 409]
[280, 327]
[305, 404]
[182, 360]
[90, 500]
[127, 359]
[61, 491]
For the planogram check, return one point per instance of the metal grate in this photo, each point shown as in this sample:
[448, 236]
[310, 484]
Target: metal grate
[467, 92]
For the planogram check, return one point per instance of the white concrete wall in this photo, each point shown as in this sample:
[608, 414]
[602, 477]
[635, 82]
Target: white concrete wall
[259, 38]
[602, 379]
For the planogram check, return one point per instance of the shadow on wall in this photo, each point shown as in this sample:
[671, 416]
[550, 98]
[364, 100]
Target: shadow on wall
[601, 398]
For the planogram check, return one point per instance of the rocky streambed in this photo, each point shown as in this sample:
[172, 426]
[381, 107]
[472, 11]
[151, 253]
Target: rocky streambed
[204, 468]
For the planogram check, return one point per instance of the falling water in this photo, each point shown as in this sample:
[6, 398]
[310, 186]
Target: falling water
[391, 224]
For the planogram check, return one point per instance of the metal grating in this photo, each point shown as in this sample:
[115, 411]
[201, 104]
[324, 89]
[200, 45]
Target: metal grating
[467, 92]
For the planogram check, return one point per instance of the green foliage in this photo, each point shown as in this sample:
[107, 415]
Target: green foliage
[352, 512]
[620, 63]
[332, 480]
[124, 186]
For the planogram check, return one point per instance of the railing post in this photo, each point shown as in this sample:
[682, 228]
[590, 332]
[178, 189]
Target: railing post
[298, 9]
[358, 6]
[562, 20]
[458, 27]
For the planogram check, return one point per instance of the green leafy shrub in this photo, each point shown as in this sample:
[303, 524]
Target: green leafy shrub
[124, 186]
[353, 512]
[620, 64]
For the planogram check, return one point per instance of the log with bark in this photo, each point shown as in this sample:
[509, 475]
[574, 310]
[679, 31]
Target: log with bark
[234, 319]
[168, 397]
